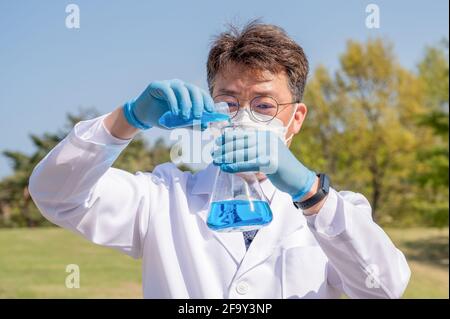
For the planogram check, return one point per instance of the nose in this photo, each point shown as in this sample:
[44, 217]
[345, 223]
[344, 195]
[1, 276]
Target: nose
[240, 110]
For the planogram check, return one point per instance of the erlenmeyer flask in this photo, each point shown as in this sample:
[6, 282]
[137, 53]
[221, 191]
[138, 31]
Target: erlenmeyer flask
[237, 203]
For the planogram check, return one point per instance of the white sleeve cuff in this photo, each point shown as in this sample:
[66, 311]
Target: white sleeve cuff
[330, 220]
[94, 131]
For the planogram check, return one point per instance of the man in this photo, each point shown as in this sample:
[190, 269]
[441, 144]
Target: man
[321, 242]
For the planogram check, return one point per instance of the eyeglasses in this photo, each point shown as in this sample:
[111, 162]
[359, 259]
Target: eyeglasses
[263, 108]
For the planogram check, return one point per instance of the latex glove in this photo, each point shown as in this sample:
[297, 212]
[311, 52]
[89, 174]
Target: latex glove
[182, 99]
[263, 151]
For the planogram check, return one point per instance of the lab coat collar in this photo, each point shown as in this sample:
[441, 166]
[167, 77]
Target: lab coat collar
[286, 220]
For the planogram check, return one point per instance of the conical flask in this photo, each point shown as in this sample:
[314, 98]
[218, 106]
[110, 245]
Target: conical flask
[237, 203]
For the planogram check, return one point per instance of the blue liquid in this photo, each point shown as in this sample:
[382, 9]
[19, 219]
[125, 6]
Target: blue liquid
[238, 215]
[170, 121]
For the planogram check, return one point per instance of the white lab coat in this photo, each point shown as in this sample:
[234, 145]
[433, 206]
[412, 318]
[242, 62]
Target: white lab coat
[161, 217]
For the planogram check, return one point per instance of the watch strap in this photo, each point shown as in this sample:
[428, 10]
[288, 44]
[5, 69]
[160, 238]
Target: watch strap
[322, 191]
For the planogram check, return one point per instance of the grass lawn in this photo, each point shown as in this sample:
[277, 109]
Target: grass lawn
[427, 253]
[33, 265]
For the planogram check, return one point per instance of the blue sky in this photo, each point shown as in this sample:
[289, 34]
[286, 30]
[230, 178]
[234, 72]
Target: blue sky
[47, 70]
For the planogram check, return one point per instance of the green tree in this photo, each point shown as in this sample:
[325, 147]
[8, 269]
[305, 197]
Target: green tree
[434, 157]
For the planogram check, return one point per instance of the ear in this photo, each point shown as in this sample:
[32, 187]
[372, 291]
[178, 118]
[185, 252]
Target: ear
[299, 117]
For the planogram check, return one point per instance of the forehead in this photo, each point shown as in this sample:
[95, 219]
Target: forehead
[243, 81]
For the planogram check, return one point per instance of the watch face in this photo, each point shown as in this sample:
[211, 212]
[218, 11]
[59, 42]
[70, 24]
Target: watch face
[326, 184]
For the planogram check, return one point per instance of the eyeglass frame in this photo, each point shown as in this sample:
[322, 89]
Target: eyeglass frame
[250, 104]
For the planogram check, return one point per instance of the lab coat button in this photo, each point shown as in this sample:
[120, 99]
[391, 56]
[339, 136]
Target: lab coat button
[242, 288]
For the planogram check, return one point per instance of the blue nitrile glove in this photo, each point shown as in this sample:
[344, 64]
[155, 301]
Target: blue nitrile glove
[263, 151]
[160, 96]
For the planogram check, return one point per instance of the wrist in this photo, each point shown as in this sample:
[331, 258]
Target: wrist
[315, 198]
[117, 125]
[316, 208]
[313, 189]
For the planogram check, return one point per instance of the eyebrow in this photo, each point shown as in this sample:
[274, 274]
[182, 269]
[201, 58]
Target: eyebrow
[257, 93]
[229, 92]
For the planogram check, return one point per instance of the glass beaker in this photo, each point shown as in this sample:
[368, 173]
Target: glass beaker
[237, 203]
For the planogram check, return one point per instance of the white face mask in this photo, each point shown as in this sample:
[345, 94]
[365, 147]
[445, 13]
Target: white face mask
[244, 119]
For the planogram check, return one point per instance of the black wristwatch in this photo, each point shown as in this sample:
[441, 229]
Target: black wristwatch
[322, 191]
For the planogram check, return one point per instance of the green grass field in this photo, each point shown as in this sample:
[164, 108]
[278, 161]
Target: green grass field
[33, 265]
